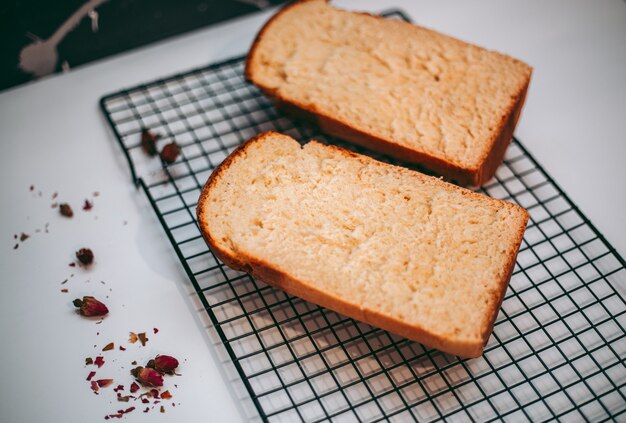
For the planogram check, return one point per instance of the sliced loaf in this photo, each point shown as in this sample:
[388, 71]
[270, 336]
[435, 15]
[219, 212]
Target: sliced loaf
[392, 87]
[389, 246]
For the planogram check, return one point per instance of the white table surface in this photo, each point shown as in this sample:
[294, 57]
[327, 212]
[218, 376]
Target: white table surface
[54, 137]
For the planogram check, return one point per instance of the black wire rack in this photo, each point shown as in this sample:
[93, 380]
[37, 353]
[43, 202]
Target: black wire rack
[558, 346]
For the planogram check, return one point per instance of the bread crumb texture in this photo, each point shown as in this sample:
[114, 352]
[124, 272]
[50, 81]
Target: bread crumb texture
[393, 80]
[386, 239]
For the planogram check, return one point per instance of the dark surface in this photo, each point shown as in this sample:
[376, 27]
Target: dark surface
[123, 25]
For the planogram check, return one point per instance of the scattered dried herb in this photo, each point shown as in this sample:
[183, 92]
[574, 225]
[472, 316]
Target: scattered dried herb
[123, 398]
[91, 375]
[72, 264]
[122, 348]
[24, 237]
[118, 388]
[149, 141]
[170, 152]
[162, 409]
[90, 307]
[85, 256]
[142, 338]
[155, 330]
[132, 337]
[32, 187]
[134, 388]
[99, 361]
[65, 290]
[94, 386]
[109, 346]
[16, 246]
[66, 210]
[96, 193]
[88, 205]
[103, 383]
[54, 195]
[88, 361]
[166, 395]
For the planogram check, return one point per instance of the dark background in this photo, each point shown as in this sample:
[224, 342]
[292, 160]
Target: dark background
[123, 25]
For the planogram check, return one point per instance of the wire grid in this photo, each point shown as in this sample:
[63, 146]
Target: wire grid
[558, 346]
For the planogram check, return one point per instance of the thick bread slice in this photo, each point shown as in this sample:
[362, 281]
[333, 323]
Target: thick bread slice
[389, 246]
[393, 87]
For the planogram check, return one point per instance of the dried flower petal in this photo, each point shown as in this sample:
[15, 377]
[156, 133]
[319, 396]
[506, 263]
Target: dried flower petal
[65, 290]
[166, 395]
[109, 346]
[162, 409]
[163, 364]
[94, 386]
[88, 361]
[170, 152]
[147, 376]
[155, 330]
[85, 256]
[99, 361]
[91, 375]
[88, 205]
[24, 237]
[122, 348]
[134, 388]
[123, 398]
[103, 383]
[66, 210]
[148, 142]
[132, 337]
[90, 307]
[146, 410]
[142, 338]
[154, 393]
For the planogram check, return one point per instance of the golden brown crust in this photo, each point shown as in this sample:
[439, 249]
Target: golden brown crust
[279, 278]
[467, 176]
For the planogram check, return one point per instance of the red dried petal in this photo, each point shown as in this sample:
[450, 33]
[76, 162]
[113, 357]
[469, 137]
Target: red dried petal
[128, 410]
[134, 388]
[122, 348]
[99, 361]
[85, 256]
[103, 383]
[165, 364]
[119, 388]
[88, 205]
[146, 410]
[166, 395]
[91, 375]
[154, 393]
[145, 401]
[155, 330]
[94, 386]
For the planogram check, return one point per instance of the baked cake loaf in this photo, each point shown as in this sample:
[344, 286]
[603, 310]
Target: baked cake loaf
[393, 87]
[385, 245]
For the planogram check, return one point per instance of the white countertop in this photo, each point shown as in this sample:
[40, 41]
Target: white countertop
[55, 138]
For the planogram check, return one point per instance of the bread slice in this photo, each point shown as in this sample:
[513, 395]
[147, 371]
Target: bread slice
[389, 246]
[393, 87]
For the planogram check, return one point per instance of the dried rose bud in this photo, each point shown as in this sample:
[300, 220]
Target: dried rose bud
[85, 256]
[66, 210]
[147, 376]
[90, 307]
[170, 152]
[163, 364]
[148, 142]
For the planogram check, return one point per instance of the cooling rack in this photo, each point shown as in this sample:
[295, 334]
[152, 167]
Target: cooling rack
[558, 346]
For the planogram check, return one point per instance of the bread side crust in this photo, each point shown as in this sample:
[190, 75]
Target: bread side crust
[464, 175]
[273, 275]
